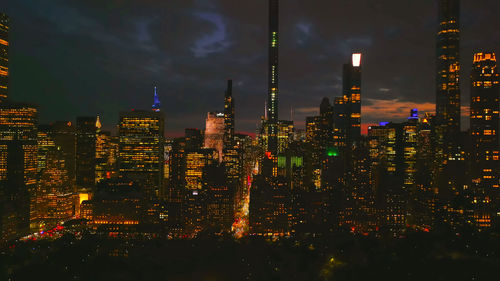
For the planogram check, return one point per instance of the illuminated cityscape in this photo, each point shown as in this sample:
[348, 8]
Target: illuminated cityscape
[362, 180]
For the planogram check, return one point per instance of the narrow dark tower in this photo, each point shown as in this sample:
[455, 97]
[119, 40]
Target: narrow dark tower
[448, 75]
[352, 95]
[272, 100]
[228, 115]
[85, 152]
[4, 56]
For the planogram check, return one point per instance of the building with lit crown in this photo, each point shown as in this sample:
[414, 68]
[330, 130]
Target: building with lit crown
[484, 122]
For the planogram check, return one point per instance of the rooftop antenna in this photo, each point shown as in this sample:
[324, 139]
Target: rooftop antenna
[156, 104]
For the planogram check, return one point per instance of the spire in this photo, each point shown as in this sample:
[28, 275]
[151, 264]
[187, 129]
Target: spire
[156, 104]
[98, 124]
[229, 91]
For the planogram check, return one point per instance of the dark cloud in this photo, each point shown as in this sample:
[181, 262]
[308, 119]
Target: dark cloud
[77, 57]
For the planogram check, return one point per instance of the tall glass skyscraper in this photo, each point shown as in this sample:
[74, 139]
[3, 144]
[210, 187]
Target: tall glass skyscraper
[18, 169]
[85, 152]
[4, 56]
[448, 74]
[352, 91]
[272, 102]
[141, 145]
[229, 115]
[347, 109]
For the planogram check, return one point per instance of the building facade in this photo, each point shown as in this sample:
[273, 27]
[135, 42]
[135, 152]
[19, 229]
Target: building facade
[85, 152]
[18, 169]
[4, 56]
[484, 121]
[141, 144]
[448, 75]
[215, 132]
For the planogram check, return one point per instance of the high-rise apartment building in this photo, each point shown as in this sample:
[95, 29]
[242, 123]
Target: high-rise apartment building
[347, 109]
[448, 76]
[352, 91]
[272, 99]
[229, 116]
[484, 122]
[4, 56]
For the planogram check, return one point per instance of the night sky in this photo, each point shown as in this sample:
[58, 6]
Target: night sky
[99, 57]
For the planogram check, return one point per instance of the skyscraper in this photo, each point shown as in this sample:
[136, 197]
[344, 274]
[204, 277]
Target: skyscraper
[352, 91]
[4, 56]
[56, 197]
[231, 154]
[387, 145]
[85, 152]
[229, 115]
[340, 121]
[484, 122]
[18, 169]
[63, 134]
[272, 102]
[106, 152]
[141, 144]
[214, 132]
[347, 109]
[196, 161]
[484, 114]
[448, 74]
[285, 135]
[45, 144]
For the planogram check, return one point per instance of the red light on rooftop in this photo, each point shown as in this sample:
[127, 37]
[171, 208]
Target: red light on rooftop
[268, 154]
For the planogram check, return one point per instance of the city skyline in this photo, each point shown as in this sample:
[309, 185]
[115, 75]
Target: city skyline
[355, 161]
[301, 33]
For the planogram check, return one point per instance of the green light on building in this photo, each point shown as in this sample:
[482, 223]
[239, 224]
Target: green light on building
[332, 152]
[281, 161]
